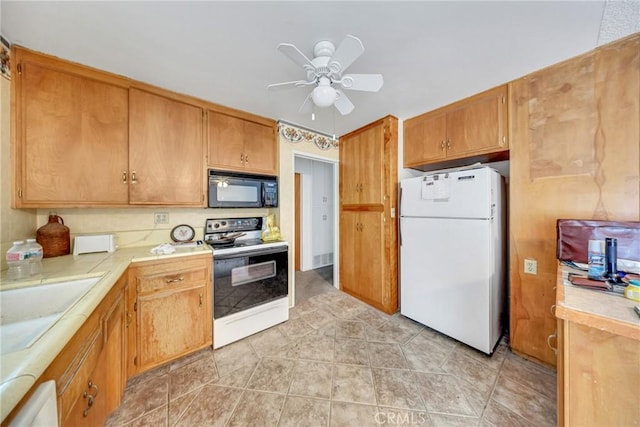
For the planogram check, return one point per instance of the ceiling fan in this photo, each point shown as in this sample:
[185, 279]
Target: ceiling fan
[324, 72]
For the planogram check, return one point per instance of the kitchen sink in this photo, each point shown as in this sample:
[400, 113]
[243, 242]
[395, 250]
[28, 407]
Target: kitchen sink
[27, 313]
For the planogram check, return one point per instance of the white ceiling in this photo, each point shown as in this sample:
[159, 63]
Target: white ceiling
[430, 53]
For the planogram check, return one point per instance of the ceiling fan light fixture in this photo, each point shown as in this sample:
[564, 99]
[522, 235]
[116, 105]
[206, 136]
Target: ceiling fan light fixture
[324, 72]
[324, 95]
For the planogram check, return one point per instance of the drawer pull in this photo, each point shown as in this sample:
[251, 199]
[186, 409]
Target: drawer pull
[179, 279]
[553, 336]
[200, 300]
[124, 177]
[553, 310]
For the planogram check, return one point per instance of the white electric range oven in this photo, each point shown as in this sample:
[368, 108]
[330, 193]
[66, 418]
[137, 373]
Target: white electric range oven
[250, 279]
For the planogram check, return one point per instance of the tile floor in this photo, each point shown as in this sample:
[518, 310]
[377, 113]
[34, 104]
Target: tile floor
[313, 282]
[339, 362]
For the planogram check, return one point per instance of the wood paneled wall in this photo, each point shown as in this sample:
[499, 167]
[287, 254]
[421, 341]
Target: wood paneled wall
[575, 153]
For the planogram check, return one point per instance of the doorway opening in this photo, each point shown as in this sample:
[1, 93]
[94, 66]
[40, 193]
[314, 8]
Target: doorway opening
[316, 226]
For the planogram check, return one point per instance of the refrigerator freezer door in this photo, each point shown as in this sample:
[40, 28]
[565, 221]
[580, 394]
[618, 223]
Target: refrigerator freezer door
[462, 194]
[446, 278]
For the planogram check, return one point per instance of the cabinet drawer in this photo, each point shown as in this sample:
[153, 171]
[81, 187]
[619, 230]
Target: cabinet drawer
[154, 278]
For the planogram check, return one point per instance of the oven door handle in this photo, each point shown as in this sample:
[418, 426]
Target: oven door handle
[254, 252]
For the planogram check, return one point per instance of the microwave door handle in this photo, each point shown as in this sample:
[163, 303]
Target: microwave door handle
[263, 194]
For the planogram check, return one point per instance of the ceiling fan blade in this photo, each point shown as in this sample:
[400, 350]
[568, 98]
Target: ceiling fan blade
[343, 104]
[365, 82]
[307, 105]
[294, 54]
[289, 85]
[348, 51]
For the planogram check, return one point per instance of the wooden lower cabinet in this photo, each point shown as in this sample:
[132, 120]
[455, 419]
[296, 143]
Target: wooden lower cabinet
[99, 389]
[364, 272]
[598, 377]
[172, 305]
[89, 371]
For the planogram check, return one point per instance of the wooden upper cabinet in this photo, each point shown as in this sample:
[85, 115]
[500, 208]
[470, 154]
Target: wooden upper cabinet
[240, 144]
[475, 126]
[479, 125]
[166, 150]
[361, 166]
[425, 140]
[71, 135]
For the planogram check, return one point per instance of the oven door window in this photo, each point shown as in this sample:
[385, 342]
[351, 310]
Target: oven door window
[242, 281]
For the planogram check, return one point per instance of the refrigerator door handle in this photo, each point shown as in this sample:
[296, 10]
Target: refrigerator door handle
[400, 215]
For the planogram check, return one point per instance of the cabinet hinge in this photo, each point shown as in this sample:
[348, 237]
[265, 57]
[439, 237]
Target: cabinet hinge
[135, 360]
[19, 68]
[503, 100]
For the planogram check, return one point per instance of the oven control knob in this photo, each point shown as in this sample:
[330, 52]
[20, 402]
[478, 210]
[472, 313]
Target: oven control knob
[224, 223]
[216, 225]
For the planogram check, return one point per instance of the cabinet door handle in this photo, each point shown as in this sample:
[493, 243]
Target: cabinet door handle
[448, 144]
[242, 158]
[179, 279]
[129, 318]
[134, 180]
[553, 310]
[553, 336]
[442, 145]
[246, 159]
[124, 177]
[200, 300]
[93, 386]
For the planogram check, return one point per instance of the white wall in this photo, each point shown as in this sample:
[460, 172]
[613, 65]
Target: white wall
[15, 224]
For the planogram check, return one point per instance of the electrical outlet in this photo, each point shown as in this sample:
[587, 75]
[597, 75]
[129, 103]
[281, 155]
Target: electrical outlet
[531, 266]
[161, 218]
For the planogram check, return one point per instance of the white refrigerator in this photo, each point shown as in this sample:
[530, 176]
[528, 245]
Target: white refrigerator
[453, 254]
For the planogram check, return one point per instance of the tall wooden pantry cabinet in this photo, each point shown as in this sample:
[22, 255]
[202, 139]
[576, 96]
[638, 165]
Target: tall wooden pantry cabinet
[368, 219]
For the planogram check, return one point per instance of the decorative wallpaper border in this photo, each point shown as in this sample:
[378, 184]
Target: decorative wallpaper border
[5, 58]
[294, 134]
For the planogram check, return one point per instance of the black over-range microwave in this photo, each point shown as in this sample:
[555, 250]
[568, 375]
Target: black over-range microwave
[238, 190]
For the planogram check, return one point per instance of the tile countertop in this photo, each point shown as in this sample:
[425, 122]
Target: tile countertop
[19, 370]
[602, 310]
